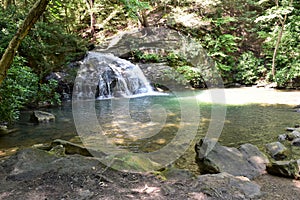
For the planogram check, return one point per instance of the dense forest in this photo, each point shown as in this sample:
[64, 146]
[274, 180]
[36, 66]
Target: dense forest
[251, 42]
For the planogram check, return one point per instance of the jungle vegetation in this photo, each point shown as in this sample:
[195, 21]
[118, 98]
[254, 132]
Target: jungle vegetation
[249, 41]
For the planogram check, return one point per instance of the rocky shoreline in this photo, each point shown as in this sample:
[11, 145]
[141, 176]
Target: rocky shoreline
[64, 170]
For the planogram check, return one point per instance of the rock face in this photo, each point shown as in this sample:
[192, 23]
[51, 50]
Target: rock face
[161, 41]
[277, 150]
[246, 161]
[41, 117]
[163, 75]
[226, 186]
[288, 169]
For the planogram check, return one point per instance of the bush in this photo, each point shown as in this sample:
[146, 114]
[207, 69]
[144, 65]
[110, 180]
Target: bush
[18, 88]
[21, 87]
[249, 69]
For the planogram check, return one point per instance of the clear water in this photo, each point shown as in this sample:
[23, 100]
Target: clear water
[128, 126]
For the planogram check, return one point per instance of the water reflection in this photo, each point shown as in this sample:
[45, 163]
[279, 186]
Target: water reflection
[146, 124]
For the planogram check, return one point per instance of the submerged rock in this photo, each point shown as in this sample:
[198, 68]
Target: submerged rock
[277, 150]
[41, 117]
[246, 161]
[288, 169]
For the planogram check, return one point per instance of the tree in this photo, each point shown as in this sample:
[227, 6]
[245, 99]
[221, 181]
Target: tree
[137, 9]
[90, 6]
[33, 15]
[279, 13]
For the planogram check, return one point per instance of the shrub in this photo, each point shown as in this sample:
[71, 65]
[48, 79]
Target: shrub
[18, 88]
[249, 69]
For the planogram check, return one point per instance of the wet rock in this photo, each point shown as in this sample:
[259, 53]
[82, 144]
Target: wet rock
[65, 82]
[131, 162]
[292, 135]
[41, 117]
[292, 129]
[277, 150]
[72, 148]
[288, 169]
[282, 137]
[246, 161]
[58, 150]
[227, 186]
[3, 128]
[296, 142]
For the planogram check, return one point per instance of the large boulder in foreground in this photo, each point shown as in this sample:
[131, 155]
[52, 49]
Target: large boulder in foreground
[246, 161]
[38, 174]
[226, 186]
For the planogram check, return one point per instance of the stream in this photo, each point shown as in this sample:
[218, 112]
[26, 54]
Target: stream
[255, 116]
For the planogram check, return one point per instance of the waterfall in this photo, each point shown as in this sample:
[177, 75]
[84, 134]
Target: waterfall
[105, 76]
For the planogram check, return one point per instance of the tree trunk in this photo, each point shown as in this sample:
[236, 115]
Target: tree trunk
[277, 46]
[282, 23]
[8, 56]
[90, 5]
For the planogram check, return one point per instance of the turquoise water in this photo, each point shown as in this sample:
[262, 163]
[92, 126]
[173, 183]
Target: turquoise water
[146, 124]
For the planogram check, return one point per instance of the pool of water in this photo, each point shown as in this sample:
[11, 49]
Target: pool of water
[147, 124]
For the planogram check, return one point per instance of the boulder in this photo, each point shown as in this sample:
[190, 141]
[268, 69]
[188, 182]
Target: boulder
[292, 135]
[30, 163]
[246, 161]
[227, 186]
[288, 169]
[254, 156]
[277, 150]
[282, 137]
[296, 142]
[41, 117]
[292, 129]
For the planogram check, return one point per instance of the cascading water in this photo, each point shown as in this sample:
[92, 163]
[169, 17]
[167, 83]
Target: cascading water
[105, 76]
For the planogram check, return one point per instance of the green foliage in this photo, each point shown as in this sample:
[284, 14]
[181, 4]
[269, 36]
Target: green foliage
[288, 55]
[190, 74]
[249, 69]
[221, 49]
[50, 48]
[47, 93]
[22, 87]
[175, 60]
[133, 7]
[140, 56]
[19, 87]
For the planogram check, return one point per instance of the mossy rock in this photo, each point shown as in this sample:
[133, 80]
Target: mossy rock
[131, 162]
